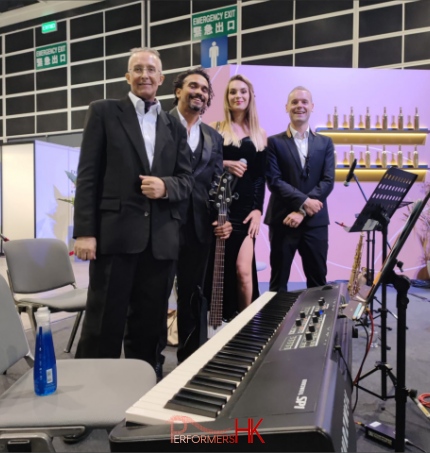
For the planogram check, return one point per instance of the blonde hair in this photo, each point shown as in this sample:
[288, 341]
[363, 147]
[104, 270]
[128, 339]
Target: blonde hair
[251, 118]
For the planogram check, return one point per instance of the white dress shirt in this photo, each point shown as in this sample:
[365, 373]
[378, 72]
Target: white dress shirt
[148, 124]
[301, 141]
[193, 135]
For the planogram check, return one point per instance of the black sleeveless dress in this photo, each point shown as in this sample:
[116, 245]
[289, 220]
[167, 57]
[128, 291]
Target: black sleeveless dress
[250, 191]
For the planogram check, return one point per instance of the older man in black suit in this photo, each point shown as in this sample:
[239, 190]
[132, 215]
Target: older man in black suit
[193, 94]
[134, 170]
[300, 176]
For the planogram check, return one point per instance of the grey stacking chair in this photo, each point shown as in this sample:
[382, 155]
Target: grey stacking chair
[91, 393]
[36, 266]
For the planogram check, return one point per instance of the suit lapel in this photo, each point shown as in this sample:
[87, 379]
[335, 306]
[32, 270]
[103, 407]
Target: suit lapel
[207, 144]
[292, 149]
[162, 137]
[130, 123]
[206, 151]
[311, 142]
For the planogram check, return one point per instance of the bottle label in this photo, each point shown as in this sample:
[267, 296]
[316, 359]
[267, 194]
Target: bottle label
[49, 376]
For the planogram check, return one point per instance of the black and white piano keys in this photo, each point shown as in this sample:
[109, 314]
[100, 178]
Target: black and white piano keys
[297, 384]
[150, 408]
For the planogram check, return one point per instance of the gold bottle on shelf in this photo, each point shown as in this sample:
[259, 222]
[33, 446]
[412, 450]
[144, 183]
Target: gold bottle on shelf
[400, 157]
[329, 123]
[400, 120]
[415, 158]
[384, 157]
[367, 118]
[378, 124]
[409, 163]
[416, 120]
[351, 119]
[361, 124]
[385, 119]
[378, 159]
[335, 119]
[351, 155]
[335, 157]
[409, 125]
[345, 159]
[345, 122]
[367, 158]
[361, 162]
[393, 162]
[393, 122]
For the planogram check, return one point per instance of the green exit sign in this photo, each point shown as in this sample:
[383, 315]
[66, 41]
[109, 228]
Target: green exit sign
[49, 26]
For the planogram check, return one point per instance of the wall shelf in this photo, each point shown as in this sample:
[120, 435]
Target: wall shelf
[375, 173]
[375, 136]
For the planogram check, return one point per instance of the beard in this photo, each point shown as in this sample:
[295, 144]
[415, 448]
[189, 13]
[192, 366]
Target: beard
[197, 108]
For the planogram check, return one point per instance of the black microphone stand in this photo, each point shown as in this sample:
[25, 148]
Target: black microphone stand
[401, 284]
[377, 212]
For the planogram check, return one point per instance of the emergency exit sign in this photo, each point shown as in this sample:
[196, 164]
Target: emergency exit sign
[48, 27]
[214, 23]
[52, 56]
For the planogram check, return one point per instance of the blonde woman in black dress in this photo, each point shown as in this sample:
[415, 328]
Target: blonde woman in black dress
[243, 139]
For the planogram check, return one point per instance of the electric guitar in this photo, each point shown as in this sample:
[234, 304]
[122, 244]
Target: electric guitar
[210, 322]
[222, 201]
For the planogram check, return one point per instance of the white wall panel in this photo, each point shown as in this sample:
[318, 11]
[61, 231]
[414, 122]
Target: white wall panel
[18, 191]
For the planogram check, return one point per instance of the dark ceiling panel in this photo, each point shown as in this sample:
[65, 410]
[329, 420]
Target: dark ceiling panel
[9, 5]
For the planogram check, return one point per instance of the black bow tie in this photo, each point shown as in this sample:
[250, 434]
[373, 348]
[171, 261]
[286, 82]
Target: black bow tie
[148, 105]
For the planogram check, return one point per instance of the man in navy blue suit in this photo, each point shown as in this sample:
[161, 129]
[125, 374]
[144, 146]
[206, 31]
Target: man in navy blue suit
[300, 176]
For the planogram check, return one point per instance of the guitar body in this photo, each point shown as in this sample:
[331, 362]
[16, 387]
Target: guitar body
[212, 331]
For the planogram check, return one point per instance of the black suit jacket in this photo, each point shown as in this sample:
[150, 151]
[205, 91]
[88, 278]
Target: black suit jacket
[285, 177]
[109, 203]
[209, 166]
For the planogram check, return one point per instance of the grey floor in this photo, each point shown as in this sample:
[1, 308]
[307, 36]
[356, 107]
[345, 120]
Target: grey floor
[369, 408]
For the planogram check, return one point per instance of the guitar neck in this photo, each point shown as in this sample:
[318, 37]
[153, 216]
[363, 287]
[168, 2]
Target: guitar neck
[215, 316]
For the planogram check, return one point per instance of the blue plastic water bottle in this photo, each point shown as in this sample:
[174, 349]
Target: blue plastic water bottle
[45, 367]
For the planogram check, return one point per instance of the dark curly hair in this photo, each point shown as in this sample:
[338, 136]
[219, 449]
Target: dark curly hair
[179, 82]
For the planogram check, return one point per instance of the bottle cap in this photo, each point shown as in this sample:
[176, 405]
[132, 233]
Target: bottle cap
[43, 313]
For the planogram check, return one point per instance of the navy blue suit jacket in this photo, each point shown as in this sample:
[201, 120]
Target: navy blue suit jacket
[288, 183]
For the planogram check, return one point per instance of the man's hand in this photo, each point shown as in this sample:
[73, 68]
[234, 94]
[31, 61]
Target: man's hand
[222, 231]
[254, 219]
[235, 167]
[85, 248]
[312, 206]
[153, 187]
[293, 219]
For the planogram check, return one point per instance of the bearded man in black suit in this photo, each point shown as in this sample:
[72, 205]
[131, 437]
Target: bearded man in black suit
[193, 94]
[134, 171]
[300, 176]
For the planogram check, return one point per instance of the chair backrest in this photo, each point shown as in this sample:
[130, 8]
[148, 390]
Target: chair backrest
[13, 342]
[37, 265]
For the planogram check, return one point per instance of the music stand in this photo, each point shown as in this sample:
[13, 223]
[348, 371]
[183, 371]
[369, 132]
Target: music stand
[376, 214]
[402, 285]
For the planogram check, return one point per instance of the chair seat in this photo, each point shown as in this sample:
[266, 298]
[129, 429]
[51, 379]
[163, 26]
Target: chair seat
[87, 395]
[71, 300]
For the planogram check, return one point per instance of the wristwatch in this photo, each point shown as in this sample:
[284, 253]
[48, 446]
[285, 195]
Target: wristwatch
[302, 211]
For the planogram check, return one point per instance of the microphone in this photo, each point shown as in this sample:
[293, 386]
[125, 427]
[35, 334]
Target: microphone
[350, 173]
[235, 178]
